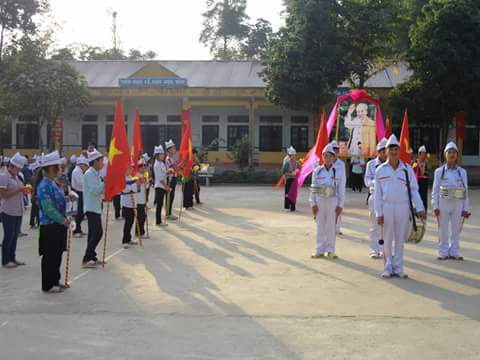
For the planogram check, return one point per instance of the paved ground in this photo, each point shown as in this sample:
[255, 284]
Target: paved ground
[234, 280]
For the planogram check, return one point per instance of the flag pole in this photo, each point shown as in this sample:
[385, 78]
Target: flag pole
[106, 235]
[146, 211]
[67, 261]
[181, 204]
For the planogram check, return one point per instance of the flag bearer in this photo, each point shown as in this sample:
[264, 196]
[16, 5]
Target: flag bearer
[376, 251]
[93, 190]
[396, 191]
[141, 197]
[327, 199]
[129, 206]
[171, 164]
[450, 203]
[289, 170]
[421, 169]
[161, 183]
[339, 168]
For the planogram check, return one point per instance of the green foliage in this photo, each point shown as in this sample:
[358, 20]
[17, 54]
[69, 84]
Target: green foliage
[18, 16]
[444, 58]
[86, 52]
[32, 85]
[256, 45]
[372, 30]
[308, 58]
[241, 153]
[224, 27]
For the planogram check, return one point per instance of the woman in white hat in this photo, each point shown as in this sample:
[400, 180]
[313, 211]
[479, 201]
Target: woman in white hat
[421, 169]
[290, 170]
[161, 182]
[326, 200]
[450, 203]
[53, 222]
[12, 191]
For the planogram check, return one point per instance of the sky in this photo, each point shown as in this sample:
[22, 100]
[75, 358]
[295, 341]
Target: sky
[171, 28]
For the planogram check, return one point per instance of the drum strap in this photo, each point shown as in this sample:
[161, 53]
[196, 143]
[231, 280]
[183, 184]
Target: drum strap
[410, 200]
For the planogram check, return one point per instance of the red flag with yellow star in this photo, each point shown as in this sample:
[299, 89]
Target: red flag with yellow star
[137, 145]
[405, 153]
[118, 156]
[185, 151]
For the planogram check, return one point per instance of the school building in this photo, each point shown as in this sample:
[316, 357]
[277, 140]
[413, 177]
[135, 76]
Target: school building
[227, 102]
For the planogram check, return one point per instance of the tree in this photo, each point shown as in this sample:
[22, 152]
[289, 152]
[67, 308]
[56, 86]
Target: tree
[371, 27]
[444, 57]
[255, 46]
[33, 85]
[18, 15]
[308, 58]
[224, 27]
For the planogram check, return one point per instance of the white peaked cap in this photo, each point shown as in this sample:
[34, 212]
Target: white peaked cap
[82, 160]
[382, 144]
[73, 159]
[34, 166]
[51, 159]
[422, 149]
[169, 144]
[94, 155]
[145, 157]
[392, 141]
[328, 149]
[158, 150]
[291, 151]
[335, 144]
[450, 145]
[18, 160]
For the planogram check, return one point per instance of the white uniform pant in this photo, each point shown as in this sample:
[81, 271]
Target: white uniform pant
[374, 229]
[326, 233]
[396, 228]
[450, 214]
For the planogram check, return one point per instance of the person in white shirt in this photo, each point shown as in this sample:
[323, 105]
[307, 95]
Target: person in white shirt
[161, 182]
[358, 163]
[77, 186]
[141, 198]
[339, 168]
[450, 203]
[326, 200]
[376, 251]
[128, 202]
[395, 197]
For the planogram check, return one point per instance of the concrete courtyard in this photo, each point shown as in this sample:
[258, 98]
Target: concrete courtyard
[234, 280]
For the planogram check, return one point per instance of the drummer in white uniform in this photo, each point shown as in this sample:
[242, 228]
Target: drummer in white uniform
[339, 168]
[394, 180]
[450, 203]
[376, 250]
[327, 199]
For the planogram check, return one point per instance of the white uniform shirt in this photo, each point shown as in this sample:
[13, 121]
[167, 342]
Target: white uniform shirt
[160, 171]
[450, 178]
[140, 195]
[339, 166]
[77, 179]
[391, 187]
[369, 178]
[126, 196]
[323, 177]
